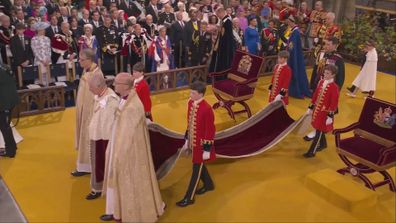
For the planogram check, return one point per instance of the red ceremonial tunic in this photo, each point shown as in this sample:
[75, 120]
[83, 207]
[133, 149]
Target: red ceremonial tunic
[325, 101]
[285, 12]
[201, 130]
[143, 91]
[280, 80]
[328, 32]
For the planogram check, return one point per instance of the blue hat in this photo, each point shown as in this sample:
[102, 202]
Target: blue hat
[40, 25]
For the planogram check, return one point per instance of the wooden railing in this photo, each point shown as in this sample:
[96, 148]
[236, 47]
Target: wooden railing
[48, 99]
[175, 79]
[41, 100]
[271, 61]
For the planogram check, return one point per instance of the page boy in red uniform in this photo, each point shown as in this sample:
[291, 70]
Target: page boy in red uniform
[142, 88]
[281, 79]
[199, 138]
[323, 107]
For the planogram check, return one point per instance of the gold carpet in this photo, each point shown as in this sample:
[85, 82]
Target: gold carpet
[265, 188]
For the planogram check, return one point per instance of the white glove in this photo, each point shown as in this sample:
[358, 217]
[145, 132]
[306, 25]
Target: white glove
[329, 121]
[148, 121]
[316, 40]
[185, 146]
[206, 155]
[309, 112]
[278, 97]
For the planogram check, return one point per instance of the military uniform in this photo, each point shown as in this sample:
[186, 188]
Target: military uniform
[269, 43]
[326, 32]
[317, 19]
[8, 100]
[324, 59]
[205, 47]
[134, 50]
[193, 39]
[108, 38]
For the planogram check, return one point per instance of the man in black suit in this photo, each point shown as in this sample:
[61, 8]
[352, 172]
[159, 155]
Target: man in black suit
[21, 48]
[52, 7]
[96, 23]
[20, 17]
[85, 18]
[152, 9]
[116, 21]
[64, 15]
[178, 40]
[53, 28]
[130, 8]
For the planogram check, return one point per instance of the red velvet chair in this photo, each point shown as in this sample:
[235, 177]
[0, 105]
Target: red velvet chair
[373, 145]
[239, 84]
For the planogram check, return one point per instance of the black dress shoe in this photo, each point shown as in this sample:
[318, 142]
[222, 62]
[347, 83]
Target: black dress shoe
[5, 155]
[107, 217]
[78, 174]
[185, 202]
[203, 190]
[93, 195]
[309, 155]
[321, 148]
[306, 138]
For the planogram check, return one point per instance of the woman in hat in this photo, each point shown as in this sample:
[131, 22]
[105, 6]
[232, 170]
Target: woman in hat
[41, 46]
[88, 40]
[367, 77]
[252, 37]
